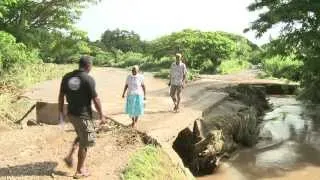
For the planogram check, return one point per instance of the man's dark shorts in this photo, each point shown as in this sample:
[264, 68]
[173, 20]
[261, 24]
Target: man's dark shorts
[84, 129]
[174, 89]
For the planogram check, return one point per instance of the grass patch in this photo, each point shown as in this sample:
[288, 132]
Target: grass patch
[288, 67]
[12, 84]
[163, 73]
[233, 66]
[152, 163]
[20, 77]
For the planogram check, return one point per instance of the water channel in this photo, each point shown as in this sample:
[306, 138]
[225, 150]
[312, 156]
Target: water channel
[288, 148]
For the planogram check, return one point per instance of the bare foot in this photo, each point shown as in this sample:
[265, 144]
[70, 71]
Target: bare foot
[175, 108]
[133, 124]
[82, 174]
[68, 161]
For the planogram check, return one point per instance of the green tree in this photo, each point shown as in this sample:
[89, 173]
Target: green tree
[47, 26]
[12, 53]
[4, 6]
[274, 48]
[122, 40]
[198, 47]
[28, 16]
[300, 22]
[243, 48]
[64, 48]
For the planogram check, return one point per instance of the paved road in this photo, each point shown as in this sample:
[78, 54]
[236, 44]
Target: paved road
[38, 144]
[158, 120]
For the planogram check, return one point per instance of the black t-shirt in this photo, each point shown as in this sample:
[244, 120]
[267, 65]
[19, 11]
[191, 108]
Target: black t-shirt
[79, 89]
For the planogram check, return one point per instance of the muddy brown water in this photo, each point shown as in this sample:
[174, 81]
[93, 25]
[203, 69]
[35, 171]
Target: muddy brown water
[289, 146]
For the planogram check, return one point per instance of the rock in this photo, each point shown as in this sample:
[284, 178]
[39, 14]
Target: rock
[183, 145]
[197, 134]
[32, 122]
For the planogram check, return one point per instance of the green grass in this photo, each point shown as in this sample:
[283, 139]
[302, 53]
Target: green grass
[233, 66]
[13, 83]
[283, 67]
[23, 76]
[152, 163]
[163, 73]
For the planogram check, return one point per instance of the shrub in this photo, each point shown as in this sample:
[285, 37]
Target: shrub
[163, 73]
[156, 65]
[129, 59]
[12, 53]
[165, 62]
[192, 74]
[233, 66]
[283, 67]
[255, 57]
[104, 59]
[208, 67]
[22, 76]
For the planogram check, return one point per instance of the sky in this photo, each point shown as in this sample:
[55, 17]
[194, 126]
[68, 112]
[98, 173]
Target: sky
[154, 18]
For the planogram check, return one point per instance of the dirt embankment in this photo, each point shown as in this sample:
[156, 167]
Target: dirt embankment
[37, 153]
[222, 129]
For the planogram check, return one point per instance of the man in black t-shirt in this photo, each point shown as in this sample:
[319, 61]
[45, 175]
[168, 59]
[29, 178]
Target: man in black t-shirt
[79, 89]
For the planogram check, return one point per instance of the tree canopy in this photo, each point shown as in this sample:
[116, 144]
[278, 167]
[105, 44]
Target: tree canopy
[12, 53]
[300, 35]
[47, 25]
[196, 46]
[122, 40]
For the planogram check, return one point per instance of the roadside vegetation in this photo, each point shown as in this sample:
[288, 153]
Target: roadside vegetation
[33, 44]
[12, 83]
[29, 36]
[21, 68]
[152, 163]
[298, 44]
[39, 41]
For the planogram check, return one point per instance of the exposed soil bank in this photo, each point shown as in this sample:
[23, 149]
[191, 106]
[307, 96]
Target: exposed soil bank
[37, 153]
[222, 129]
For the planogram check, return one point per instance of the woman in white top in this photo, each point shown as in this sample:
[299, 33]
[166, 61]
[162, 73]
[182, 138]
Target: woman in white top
[135, 96]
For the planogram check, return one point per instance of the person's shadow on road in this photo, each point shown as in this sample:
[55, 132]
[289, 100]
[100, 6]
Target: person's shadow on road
[32, 169]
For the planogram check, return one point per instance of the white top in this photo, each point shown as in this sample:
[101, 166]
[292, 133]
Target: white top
[177, 72]
[135, 83]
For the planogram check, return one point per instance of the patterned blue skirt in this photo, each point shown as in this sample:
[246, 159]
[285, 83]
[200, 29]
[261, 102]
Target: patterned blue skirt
[135, 105]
